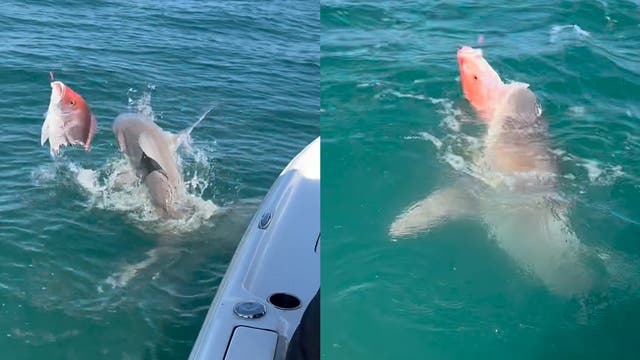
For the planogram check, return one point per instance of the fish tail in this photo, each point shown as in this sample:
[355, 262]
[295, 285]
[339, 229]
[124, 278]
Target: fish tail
[204, 116]
[184, 136]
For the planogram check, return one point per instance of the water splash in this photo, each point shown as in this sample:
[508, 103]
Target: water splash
[461, 150]
[427, 136]
[143, 103]
[115, 188]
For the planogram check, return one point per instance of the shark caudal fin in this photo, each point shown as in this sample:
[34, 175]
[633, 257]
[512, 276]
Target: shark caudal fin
[184, 136]
[440, 206]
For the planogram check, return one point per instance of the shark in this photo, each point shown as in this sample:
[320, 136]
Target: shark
[151, 152]
[518, 201]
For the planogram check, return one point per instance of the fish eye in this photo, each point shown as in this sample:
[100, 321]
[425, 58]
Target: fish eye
[475, 77]
[72, 102]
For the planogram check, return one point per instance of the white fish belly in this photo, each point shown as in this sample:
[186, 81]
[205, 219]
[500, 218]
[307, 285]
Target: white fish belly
[57, 136]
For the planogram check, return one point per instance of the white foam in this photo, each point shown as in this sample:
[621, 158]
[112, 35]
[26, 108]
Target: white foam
[576, 110]
[601, 174]
[43, 174]
[410, 96]
[143, 104]
[567, 32]
[593, 170]
[87, 178]
[371, 83]
[451, 123]
[437, 101]
[455, 146]
[456, 162]
[115, 188]
[434, 140]
[451, 114]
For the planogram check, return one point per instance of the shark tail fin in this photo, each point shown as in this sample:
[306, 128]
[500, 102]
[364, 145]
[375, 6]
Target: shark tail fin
[183, 138]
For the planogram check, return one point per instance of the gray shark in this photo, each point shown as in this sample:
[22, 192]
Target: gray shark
[151, 152]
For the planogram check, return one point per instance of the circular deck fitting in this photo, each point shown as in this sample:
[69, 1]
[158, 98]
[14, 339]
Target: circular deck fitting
[265, 220]
[284, 301]
[250, 310]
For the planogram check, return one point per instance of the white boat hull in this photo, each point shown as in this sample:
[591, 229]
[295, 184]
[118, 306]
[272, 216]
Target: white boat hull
[278, 254]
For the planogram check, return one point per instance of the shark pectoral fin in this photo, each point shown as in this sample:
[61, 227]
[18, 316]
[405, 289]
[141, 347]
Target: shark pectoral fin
[122, 143]
[150, 146]
[128, 272]
[439, 206]
[93, 128]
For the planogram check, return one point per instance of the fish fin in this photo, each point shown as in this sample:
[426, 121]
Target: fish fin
[44, 133]
[188, 130]
[93, 127]
[184, 136]
[122, 143]
[78, 129]
[150, 147]
[441, 205]
[121, 279]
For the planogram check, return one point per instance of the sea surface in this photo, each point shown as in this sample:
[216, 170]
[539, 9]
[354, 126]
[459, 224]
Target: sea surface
[396, 127]
[87, 269]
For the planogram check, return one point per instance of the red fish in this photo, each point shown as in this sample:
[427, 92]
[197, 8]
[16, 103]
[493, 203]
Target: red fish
[481, 84]
[69, 120]
[512, 113]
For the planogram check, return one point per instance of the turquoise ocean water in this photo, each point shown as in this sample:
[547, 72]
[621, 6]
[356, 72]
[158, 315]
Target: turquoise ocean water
[396, 127]
[88, 271]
